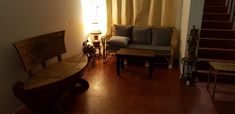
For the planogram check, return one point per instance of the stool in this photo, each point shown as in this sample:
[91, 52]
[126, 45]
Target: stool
[96, 45]
[216, 68]
[189, 69]
[89, 51]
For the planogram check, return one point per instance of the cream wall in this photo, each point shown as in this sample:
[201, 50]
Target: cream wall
[184, 26]
[21, 19]
[191, 15]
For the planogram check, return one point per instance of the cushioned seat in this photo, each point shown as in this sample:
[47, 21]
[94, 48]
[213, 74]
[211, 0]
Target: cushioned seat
[160, 50]
[118, 41]
[151, 47]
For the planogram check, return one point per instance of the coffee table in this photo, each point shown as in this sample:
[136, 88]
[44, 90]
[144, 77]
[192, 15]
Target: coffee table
[140, 54]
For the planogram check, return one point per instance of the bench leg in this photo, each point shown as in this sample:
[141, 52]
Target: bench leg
[150, 69]
[215, 82]
[208, 79]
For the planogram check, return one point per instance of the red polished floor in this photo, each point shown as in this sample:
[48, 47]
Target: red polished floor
[134, 93]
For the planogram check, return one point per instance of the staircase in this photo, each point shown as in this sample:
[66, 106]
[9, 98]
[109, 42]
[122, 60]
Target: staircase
[217, 37]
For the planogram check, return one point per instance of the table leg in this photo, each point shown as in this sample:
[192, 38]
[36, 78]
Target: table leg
[100, 52]
[190, 69]
[122, 63]
[183, 74]
[208, 79]
[118, 65]
[150, 69]
[215, 81]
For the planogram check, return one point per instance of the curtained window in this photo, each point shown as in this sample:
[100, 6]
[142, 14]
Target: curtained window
[141, 12]
[94, 15]
[128, 12]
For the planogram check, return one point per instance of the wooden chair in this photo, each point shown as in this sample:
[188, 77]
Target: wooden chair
[45, 91]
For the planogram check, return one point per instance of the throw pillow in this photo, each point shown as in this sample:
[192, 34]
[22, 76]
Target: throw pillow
[141, 35]
[123, 30]
[161, 36]
[118, 41]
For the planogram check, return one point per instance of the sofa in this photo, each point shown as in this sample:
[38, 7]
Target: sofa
[161, 39]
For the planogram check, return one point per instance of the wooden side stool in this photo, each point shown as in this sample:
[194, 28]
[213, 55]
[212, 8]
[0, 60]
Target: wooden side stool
[89, 51]
[216, 68]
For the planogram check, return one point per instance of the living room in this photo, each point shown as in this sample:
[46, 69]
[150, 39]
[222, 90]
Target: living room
[23, 19]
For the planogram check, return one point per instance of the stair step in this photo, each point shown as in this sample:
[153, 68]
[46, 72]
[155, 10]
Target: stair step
[215, 2]
[215, 9]
[204, 65]
[219, 39]
[218, 33]
[217, 49]
[213, 43]
[217, 24]
[214, 53]
[215, 60]
[216, 16]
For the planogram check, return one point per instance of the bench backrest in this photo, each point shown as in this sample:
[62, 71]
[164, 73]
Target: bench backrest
[38, 49]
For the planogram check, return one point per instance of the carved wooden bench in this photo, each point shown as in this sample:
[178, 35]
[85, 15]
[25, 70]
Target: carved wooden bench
[45, 91]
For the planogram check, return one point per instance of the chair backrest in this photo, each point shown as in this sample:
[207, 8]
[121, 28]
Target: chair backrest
[38, 49]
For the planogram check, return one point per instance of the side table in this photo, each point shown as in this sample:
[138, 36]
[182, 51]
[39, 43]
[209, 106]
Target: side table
[96, 45]
[189, 69]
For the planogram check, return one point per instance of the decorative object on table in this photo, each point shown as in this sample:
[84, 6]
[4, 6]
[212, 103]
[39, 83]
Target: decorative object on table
[96, 42]
[95, 30]
[193, 43]
[89, 51]
[191, 61]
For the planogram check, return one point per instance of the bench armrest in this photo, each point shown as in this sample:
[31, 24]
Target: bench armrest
[173, 46]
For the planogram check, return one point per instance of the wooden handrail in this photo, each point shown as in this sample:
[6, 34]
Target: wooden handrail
[231, 8]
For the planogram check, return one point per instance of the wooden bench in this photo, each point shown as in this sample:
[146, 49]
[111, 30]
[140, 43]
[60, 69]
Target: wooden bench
[45, 91]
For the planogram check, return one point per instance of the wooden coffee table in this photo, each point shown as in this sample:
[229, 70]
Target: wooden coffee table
[140, 54]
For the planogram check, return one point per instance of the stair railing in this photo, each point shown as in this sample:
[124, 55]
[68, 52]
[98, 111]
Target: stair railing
[231, 8]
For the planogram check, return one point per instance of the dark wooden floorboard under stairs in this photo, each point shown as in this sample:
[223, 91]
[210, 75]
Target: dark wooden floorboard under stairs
[217, 36]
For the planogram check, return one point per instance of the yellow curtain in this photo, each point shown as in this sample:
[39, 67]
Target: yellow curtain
[141, 12]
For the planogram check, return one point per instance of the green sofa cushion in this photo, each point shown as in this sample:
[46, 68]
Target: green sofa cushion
[118, 41]
[123, 30]
[141, 35]
[161, 36]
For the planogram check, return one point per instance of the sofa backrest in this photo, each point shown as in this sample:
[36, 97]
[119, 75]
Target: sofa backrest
[123, 30]
[145, 35]
[161, 36]
[141, 35]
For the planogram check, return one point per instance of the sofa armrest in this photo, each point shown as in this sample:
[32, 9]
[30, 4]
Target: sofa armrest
[173, 46]
[104, 39]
